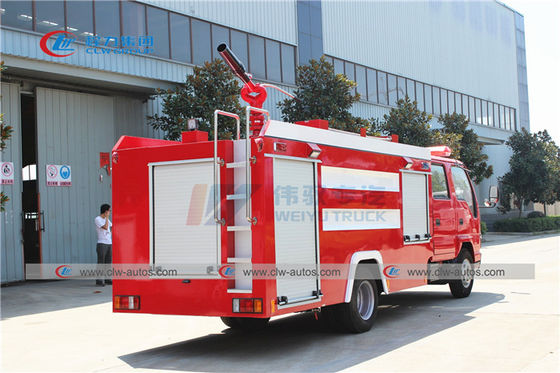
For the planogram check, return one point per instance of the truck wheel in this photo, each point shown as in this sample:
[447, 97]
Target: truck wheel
[245, 323]
[358, 315]
[462, 288]
[230, 322]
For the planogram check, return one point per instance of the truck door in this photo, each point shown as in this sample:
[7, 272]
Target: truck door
[465, 204]
[443, 212]
[295, 229]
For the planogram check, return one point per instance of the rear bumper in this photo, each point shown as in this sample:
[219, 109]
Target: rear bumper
[192, 297]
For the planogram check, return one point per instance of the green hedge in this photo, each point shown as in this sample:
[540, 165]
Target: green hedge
[528, 225]
[483, 227]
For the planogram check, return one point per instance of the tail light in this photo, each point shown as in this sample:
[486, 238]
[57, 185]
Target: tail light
[247, 305]
[126, 302]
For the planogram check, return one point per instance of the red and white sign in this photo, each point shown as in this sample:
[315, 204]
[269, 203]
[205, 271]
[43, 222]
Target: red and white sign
[59, 175]
[7, 172]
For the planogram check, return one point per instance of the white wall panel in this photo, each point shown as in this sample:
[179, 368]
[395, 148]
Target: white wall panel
[464, 46]
[275, 19]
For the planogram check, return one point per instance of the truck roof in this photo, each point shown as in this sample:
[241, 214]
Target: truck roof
[447, 160]
[290, 131]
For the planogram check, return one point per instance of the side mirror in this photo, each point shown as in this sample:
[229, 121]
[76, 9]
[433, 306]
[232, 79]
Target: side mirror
[493, 197]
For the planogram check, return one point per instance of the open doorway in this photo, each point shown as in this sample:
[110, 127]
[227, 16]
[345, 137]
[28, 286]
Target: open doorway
[32, 217]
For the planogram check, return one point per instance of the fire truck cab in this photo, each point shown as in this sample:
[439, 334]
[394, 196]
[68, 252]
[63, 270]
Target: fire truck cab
[287, 194]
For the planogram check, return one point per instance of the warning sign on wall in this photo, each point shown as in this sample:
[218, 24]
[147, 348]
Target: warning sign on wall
[7, 172]
[59, 175]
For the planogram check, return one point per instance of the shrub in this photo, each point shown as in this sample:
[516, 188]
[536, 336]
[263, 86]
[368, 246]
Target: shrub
[537, 224]
[535, 214]
[483, 227]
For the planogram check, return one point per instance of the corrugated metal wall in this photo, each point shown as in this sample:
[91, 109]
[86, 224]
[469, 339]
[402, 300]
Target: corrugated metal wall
[73, 128]
[10, 220]
[367, 111]
[130, 117]
[467, 46]
[23, 44]
[276, 19]
[274, 96]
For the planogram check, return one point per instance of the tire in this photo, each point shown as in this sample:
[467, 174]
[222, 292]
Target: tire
[245, 323]
[230, 322]
[462, 288]
[328, 317]
[358, 316]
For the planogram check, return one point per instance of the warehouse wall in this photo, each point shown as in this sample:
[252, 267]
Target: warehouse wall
[25, 44]
[11, 255]
[467, 46]
[275, 19]
[72, 129]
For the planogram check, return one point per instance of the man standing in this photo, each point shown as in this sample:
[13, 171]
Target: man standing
[103, 226]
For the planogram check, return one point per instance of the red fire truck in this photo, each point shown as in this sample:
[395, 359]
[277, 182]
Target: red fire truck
[287, 193]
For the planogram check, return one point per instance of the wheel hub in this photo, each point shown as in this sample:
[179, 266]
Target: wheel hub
[466, 275]
[365, 300]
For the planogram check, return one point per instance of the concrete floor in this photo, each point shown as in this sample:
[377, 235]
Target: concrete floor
[505, 325]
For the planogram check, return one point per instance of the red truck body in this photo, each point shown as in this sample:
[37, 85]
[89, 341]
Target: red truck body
[286, 196]
[351, 173]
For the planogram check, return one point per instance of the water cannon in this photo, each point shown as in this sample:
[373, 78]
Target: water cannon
[236, 65]
[252, 93]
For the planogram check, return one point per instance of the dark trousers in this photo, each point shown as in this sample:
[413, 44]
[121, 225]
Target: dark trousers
[103, 255]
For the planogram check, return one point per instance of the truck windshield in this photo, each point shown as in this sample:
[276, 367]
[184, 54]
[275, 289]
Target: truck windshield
[463, 189]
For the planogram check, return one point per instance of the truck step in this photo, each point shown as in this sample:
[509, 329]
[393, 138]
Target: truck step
[236, 164]
[239, 260]
[237, 228]
[244, 291]
[231, 197]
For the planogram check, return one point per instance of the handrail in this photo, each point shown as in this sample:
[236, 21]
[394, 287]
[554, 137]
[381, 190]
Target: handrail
[248, 111]
[218, 162]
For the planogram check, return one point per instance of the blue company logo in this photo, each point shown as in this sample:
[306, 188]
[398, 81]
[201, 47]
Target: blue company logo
[61, 44]
[124, 45]
[391, 271]
[95, 44]
[65, 172]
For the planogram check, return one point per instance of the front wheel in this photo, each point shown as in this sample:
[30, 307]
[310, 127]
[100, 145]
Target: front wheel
[462, 287]
[358, 315]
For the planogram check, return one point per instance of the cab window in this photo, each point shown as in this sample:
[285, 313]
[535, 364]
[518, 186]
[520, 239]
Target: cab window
[440, 189]
[463, 189]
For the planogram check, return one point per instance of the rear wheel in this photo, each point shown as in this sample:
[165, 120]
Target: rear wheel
[462, 287]
[245, 323]
[230, 321]
[358, 315]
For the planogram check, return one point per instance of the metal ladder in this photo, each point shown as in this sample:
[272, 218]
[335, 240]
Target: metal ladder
[241, 199]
